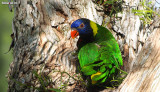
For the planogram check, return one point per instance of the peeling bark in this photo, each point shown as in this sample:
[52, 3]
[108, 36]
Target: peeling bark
[43, 44]
[145, 73]
[144, 76]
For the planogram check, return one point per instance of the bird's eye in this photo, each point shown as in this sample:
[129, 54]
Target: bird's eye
[81, 25]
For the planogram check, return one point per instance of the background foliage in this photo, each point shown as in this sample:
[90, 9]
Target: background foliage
[5, 41]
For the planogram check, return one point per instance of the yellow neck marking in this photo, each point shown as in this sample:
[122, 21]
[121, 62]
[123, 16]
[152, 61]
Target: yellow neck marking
[94, 27]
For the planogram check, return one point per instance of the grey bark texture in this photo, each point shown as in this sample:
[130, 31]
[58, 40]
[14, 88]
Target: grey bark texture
[43, 46]
[145, 76]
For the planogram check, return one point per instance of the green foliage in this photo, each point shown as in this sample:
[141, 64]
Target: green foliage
[5, 41]
[46, 82]
[147, 13]
[111, 6]
[76, 77]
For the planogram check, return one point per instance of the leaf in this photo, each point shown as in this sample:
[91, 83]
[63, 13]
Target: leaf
[101, 1]
[108, 2]
[53, 89]
[150, 2]
[139, 14]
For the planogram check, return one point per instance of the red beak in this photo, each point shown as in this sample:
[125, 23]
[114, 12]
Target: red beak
[74, 33]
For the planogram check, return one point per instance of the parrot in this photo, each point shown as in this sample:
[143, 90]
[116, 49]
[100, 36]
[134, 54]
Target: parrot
[99, 54]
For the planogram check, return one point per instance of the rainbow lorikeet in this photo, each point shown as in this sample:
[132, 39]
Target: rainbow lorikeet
[99, 54]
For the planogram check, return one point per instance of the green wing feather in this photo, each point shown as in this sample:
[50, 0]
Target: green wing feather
[85, 57]
[102, 56]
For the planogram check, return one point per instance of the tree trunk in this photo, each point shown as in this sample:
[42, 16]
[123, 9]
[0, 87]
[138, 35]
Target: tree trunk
[43, 49]
[145, 75]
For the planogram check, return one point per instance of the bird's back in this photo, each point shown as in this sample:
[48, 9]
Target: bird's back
[101, 58]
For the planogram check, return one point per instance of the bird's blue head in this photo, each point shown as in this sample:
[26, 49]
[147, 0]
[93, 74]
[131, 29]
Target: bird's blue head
[82, 28]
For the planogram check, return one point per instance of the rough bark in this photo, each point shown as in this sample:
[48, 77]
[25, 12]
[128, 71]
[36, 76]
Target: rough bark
[145, 75]
[42, 43]
[133, 30]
